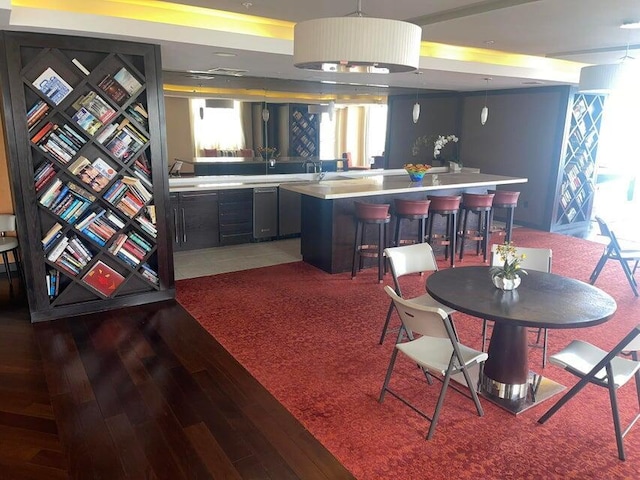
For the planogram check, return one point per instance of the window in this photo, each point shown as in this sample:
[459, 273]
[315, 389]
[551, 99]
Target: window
[219, 128]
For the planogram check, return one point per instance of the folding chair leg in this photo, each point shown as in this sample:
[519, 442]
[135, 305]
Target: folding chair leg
[629, 275]
[386, 323]
[544, 348]
[443, 392]
[596, 271]
[616, 416]
[387, 378]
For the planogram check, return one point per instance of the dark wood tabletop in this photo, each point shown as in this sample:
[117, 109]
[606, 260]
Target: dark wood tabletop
[542, 300]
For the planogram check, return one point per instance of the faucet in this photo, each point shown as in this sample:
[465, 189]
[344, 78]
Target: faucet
[317, 166]
[319, 176]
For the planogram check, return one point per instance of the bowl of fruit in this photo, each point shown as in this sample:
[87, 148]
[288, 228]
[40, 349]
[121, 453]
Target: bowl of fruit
[416, 170]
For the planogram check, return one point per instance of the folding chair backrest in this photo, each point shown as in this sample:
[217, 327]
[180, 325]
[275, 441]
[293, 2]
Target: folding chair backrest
[604, 228]
[414, 258]
[429, 321]
[535, 258]
[614, 250]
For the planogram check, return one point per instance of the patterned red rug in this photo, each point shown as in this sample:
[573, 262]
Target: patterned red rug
[312, 340]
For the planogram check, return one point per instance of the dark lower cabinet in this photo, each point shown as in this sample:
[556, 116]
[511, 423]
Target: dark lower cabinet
[289, 212]
[236, 216]
[195, 220]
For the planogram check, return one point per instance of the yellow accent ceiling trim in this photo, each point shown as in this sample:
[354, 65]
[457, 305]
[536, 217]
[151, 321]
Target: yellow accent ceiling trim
[494, 57]
[171, 14]
[220, 20]
[261, 95]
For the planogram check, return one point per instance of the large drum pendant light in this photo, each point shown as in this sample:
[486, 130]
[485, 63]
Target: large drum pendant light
[357, 44]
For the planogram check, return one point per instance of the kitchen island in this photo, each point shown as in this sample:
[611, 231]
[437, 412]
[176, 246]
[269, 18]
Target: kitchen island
[328, 228]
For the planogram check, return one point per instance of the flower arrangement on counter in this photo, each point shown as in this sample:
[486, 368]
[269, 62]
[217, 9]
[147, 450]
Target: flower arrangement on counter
[267, 152]
[441, 141]
[438, 144]
[510, 268]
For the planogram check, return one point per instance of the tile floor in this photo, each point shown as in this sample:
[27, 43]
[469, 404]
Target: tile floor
[211, 261]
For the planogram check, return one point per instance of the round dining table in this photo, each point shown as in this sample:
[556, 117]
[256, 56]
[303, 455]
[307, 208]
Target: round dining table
[543, 300]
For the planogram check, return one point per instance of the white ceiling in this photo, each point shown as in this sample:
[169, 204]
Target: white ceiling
[575, 30]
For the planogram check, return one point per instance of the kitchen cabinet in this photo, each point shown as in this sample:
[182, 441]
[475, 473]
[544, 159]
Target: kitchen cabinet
[195, 220]
[289, 210]
[235, 209]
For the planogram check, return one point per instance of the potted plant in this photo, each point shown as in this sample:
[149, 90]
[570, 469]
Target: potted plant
[507, 275]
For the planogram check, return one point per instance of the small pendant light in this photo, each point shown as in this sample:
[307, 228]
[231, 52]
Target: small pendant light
[484, 114]
[265, 113]
[416, 106]
[332, 110]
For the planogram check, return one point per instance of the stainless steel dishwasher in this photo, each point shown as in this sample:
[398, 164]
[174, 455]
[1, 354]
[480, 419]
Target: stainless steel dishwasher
[265, 212]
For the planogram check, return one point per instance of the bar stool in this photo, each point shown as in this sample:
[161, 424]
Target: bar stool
[480, 204]
[411, 210]
[508, 201]
[446, 206]
[370, 214]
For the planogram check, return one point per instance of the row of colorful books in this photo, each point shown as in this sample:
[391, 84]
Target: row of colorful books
[100, 225]
[36, 113]
[147, 221]
[61, 142]
[43, 174]
[70, 254]
[131, 248]
[139, 114]
[92, 112]
[68, 201]
[122, 139]
[142, 170]
[128, 195]
[53, 283]
[149, 273]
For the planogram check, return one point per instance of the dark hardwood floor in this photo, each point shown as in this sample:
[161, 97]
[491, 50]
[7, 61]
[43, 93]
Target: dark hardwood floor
[139, 393]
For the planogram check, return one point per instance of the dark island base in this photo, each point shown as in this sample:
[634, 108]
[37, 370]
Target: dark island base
[328, 227]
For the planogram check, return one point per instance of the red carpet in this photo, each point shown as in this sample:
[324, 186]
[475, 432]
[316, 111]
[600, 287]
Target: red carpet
[311, 339]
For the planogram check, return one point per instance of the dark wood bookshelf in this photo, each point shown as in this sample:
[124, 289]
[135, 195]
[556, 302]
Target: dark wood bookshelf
[577, 168]
[84, 122]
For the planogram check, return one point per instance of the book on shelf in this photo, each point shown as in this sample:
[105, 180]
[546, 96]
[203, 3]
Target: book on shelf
[80, 66]
[128, 81]
[39, 110]
[97, 174]
[52, 85]
[149, 273]
[139, 114]
[114, 90]
[102, 278]
[95, 105]
[87, 121]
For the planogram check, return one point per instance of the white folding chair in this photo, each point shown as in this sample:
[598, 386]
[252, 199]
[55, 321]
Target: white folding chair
[436, 350]
[605, 369]
[534, 259]
[405, 260]
[623, 253]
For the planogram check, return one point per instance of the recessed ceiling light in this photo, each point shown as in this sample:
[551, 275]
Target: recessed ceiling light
[532, 82]
[247, 5]
[489, 42]
[224, 54]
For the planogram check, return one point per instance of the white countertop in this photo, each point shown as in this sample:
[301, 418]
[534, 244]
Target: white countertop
[223, 182]
[384, 184]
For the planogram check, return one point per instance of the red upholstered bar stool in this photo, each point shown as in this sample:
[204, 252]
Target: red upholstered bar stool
[508, 201]
[446, 206]
[480, 204]
[370, 214]
[410, 210]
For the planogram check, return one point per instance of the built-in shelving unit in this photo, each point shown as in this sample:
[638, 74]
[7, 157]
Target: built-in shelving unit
[304, 140]
[84, 120]
[577, 178]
